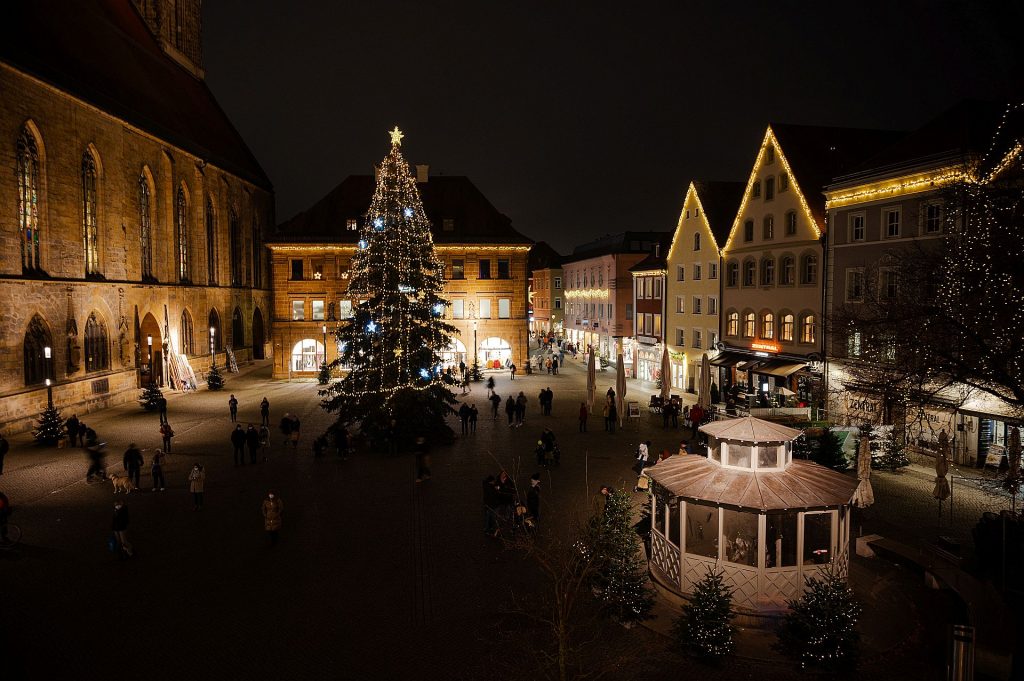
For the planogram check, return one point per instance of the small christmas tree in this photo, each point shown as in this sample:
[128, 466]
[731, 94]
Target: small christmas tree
[894, 451]
[821, 627]
[475, 374]
[51, 427]
[620, 575]
[829, 452]
[705, 629]
[214, 380]
[324, 377]
[150, 397]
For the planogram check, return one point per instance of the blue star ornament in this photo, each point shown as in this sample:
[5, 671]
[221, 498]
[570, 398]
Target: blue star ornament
[407, 212]
[371, 327]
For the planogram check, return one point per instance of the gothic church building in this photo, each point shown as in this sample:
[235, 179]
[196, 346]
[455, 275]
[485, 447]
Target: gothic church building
[132, 213]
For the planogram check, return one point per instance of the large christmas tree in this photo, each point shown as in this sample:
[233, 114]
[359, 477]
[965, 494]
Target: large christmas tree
[392, 383]
[620, 572]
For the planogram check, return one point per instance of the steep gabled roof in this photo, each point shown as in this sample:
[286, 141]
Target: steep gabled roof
[720, 201]
[101, 51]
[453, 197]
[543, 256]
[624, 242]
[817, 154]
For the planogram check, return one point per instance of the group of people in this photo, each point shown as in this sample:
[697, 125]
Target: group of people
[546, 399]
[692, 417]
[503, 506]
[468, 415]
[251, 439]
[515, 410]
[79, 434]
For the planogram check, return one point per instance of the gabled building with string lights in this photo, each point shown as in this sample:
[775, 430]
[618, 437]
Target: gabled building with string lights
[484, 257]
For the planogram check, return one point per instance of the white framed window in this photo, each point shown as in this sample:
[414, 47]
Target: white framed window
[558, 283]
[857, 227]
[697, 338]
[712, 338]
[697, 305]
[680, 305]
[657, 288]
[504, 308]
[680, 337]
[891, 222]
[712, 305]
[712, 270]
[558, 303]
[696, 271]
[458, 309]
[318, 310]
[932, 214]
[484, 306]
[854, 285]
[298, 310]
[680, 273]
[344, 309]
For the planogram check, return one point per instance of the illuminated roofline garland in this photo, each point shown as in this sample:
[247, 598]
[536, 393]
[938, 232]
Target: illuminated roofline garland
[692, 189]
[891, 188]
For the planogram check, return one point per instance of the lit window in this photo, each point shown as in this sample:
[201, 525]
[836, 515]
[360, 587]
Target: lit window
[749, 320]
[458, 268]
[145, 228]
[344, 309]
[28, 201]
[352, 224]
[786, 329]
[318, 310]
[504, 308]
[298, 311]
[90, 222]
[485, 308]
[732, 324]
[181, 235]
[458, 308]
[768, 326]
[807, 331]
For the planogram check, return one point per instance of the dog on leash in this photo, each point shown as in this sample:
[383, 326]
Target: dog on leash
[122, 483]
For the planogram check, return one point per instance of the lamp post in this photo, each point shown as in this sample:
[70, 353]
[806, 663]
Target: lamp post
[476, 350]
[325, 343]
[213, 354]
[149, 344]
[48, 355]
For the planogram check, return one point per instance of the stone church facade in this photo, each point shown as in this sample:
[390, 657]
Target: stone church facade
[132, 214]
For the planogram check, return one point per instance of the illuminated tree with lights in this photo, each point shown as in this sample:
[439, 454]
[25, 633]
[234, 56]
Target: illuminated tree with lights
[821, 627]
[392, 384]
[705, 628]
[619, 577]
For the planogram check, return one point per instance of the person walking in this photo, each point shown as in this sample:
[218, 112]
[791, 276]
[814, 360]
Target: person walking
[252, 442]
[583, 417]
[5, 446]
[604, 412]
[83, 431]
[233, 406]
[97, 465]
[550, 401]
[132, 462]
[265, 412]
[72, 427]
[265, 440]
[296, 431]
[495, 400]
[506, 490]
[464, 418]
[613, 415]
[157, 470]
[238, 445]
[196, 483]
[286, 427]
[512, 371]
[474, 414]
[533, 499]
[554, 364]
[643, 452]
[422, 459]
[490, 386]
[272, 508]
[166, 433]
[674, 414]
[520, 409]
[510, 409]
[119, 526]
[161, 404]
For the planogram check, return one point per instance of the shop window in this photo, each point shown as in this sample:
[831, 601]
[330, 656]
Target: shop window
[739, 537]
[817, 538]
[780, 537]
[702, 530]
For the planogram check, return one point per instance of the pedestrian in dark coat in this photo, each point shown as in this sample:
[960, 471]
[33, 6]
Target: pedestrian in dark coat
[510, 409]
[464, 417]
[161, 404]
[238, 445]
[520, 409]
[265, 412]
[506, 489]
[166, 433]
[512, 371]
[196, 485]
[159, 483]
[233, 406]
[490, 385]
[272, 508]
[495, 399]
[119, 526]
[613, 415]
[83, 431]
[132, 463]
[474, 414]
[72, 427]
[583, 417]
[252, 441]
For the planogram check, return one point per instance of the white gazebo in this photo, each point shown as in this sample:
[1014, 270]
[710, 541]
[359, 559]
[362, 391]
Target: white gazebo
[750, 511]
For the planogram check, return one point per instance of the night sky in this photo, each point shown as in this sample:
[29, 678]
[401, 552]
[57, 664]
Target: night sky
[583, 119]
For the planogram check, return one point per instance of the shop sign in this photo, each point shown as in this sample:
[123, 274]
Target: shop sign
[766, 346]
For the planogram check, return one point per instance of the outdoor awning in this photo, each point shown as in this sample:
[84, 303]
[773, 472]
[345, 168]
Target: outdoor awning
[749, 364]
[728, 359]
[780, 367]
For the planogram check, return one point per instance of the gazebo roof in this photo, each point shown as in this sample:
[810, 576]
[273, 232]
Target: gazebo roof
[802, 485]
[749, 429]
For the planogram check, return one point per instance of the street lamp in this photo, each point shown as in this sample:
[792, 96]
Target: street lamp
[213, 354]
[149, 344]
[49, 394]
[48, 355]
[325, 343]
[476, 349]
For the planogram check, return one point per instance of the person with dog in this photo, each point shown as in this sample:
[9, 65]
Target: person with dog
[196, 483]
[159, 483]
[238, 445]
[272, 508]
[132, 462]
[119, 526]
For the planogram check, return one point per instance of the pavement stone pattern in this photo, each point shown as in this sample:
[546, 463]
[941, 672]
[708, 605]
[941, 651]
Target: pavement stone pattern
[375, 576]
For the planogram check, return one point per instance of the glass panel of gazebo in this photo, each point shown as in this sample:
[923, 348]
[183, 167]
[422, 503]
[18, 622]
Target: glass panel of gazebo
[771, 457]
[739, 537]
[738, 456]
[715, 449]
[701, 527]
[781, 539]
[819, 537]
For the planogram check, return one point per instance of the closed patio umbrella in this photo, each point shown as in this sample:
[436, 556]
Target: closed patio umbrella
[704, 399]
[620, 387]
[591, 380]
[666, 376]
[941, 491]
[863, 496]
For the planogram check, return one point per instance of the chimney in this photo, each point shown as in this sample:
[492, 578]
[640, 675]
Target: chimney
[422, 173]
[657, 250]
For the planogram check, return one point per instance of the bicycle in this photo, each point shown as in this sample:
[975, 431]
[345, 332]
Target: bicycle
[13, 537]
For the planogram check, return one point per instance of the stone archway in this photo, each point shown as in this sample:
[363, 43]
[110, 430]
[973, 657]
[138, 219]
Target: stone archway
[151, 364]
[257, 334]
